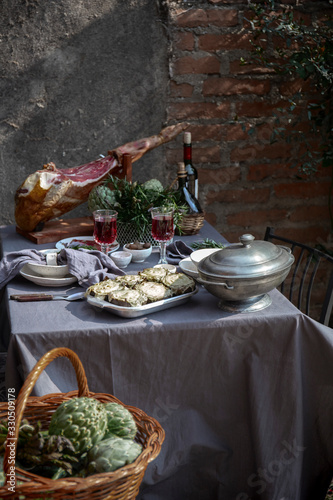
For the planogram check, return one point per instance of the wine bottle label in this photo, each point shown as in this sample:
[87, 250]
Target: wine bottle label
[196, 188]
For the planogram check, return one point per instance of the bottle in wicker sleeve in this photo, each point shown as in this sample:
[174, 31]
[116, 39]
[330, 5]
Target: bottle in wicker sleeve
[185, 197]
[192, 174]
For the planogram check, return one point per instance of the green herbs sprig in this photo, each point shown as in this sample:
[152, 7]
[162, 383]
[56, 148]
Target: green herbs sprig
[207, 243]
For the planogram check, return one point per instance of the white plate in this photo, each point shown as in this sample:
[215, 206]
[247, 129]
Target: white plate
[188, 267]
[89, 239]
[40, 280]
[198, 255]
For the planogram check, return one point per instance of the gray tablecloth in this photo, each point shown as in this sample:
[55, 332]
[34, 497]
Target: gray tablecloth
[246, 400]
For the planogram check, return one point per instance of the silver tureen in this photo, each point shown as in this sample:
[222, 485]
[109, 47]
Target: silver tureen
[242, 274]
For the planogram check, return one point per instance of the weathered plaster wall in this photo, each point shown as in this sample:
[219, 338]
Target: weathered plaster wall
[78, 77]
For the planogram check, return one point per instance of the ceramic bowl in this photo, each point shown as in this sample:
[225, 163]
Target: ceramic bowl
[121, 259]
[201, 254]
[48, 271]
[138, 255]
[188, 267]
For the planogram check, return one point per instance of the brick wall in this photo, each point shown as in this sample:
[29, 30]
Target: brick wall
[246, 183]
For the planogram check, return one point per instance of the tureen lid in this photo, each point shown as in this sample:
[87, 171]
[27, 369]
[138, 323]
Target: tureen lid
[247, 259]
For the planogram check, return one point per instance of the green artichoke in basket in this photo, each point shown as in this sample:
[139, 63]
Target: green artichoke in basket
[26, 431]
[120, 422]
[39, 452]
[101, 197]
[52, 456]
[111, 454]
[82, 420]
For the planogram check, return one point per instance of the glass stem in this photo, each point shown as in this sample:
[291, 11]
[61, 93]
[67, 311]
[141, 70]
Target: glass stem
[105, 248]
[163, 245]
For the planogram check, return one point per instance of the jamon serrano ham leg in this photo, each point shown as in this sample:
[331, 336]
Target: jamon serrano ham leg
[52, 192]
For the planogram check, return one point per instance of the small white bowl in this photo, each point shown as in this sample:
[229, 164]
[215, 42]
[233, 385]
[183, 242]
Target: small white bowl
[168, 267]
[121, 259]
[48, 271]
[138, 255]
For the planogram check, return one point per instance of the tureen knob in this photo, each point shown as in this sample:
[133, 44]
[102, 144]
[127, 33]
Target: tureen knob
[246, 239]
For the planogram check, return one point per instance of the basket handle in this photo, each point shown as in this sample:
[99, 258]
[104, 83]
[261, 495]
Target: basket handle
[25, 392]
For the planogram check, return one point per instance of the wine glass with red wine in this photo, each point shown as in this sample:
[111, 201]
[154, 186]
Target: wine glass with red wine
[162, 229]
[105, 228]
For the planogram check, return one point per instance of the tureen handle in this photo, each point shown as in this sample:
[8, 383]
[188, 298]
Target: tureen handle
[246, 240]
[203, 282]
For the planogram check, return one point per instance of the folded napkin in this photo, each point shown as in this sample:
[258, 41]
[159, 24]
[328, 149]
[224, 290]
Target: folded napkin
[13, 262]
[177, 251]
[88, 266]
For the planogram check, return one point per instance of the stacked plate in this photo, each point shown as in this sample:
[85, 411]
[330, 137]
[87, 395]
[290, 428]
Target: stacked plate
[189, 265]
[49, 274]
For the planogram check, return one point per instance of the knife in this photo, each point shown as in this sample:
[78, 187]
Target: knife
[34, 297]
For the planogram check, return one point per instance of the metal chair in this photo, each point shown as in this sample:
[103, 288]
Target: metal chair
[310, 278]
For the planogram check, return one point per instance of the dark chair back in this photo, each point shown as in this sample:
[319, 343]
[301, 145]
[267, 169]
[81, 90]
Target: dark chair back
[309, 284]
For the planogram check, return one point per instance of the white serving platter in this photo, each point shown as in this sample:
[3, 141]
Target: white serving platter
[64, 243]
[135, 312]
[46, 281]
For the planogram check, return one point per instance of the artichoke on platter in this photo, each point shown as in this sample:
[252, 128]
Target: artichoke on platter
[120, 422]
[111, 454]
[82, 420]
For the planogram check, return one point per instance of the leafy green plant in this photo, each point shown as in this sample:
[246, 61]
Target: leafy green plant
[284, 43]
[132, 201]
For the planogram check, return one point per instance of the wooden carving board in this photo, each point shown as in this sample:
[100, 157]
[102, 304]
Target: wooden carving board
[56, 230]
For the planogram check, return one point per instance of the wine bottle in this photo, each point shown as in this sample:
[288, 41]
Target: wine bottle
[192, 174]
[184, 196]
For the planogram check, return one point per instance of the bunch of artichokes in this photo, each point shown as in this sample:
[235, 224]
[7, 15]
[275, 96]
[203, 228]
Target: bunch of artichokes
[84, 437]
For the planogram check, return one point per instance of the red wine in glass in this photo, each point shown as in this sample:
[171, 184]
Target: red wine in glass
[105, 228]
[162, 228]
[105, 231]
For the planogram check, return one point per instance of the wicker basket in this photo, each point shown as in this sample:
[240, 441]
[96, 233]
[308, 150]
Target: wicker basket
[191, 224]
[122, 484]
